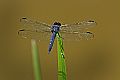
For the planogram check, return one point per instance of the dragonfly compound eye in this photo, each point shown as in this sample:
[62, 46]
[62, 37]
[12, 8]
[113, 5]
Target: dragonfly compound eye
[57, 23]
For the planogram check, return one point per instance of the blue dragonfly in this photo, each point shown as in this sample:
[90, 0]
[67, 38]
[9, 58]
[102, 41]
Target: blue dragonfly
[38, 30]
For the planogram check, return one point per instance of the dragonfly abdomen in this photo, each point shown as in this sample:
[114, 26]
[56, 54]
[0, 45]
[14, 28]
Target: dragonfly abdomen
[51, 41]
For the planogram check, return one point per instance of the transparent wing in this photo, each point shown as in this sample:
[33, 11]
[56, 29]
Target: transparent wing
[77, 36]
[34, 29]
[77, 27]
[33, 34]
[77, 31]
[34, 25]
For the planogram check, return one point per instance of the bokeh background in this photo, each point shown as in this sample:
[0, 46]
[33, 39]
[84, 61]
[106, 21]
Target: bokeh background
[97, 59]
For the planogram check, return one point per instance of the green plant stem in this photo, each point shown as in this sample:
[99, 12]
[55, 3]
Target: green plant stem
[62, 74]
[36, 60]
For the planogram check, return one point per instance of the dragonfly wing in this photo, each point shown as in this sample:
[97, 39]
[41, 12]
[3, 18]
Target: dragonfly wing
[34, 29]
[33, 34]
[77, 31]
[78, 27]
[77, 36]
[34, 25]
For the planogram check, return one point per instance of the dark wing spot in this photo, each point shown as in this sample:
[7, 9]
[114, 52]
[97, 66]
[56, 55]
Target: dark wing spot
[24, 18]
[89, 32]
[91, 21]
[21, 30]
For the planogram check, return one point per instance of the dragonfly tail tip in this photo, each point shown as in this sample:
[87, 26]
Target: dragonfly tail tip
[48, 52]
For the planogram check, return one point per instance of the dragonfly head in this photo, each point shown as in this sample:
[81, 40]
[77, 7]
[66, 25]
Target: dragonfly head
[56, 27]
[57, 23]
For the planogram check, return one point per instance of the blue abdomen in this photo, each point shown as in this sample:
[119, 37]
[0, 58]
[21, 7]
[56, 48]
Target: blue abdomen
[51, 41]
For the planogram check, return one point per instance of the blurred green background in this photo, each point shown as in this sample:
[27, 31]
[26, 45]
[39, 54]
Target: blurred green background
[97, 59]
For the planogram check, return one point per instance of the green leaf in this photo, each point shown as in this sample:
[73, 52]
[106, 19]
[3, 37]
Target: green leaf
[62, 74]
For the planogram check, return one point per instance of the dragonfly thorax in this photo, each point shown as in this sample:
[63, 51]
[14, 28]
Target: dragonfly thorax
[55, 28]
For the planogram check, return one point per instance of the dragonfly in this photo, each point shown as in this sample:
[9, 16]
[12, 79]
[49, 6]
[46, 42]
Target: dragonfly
[38, 30]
